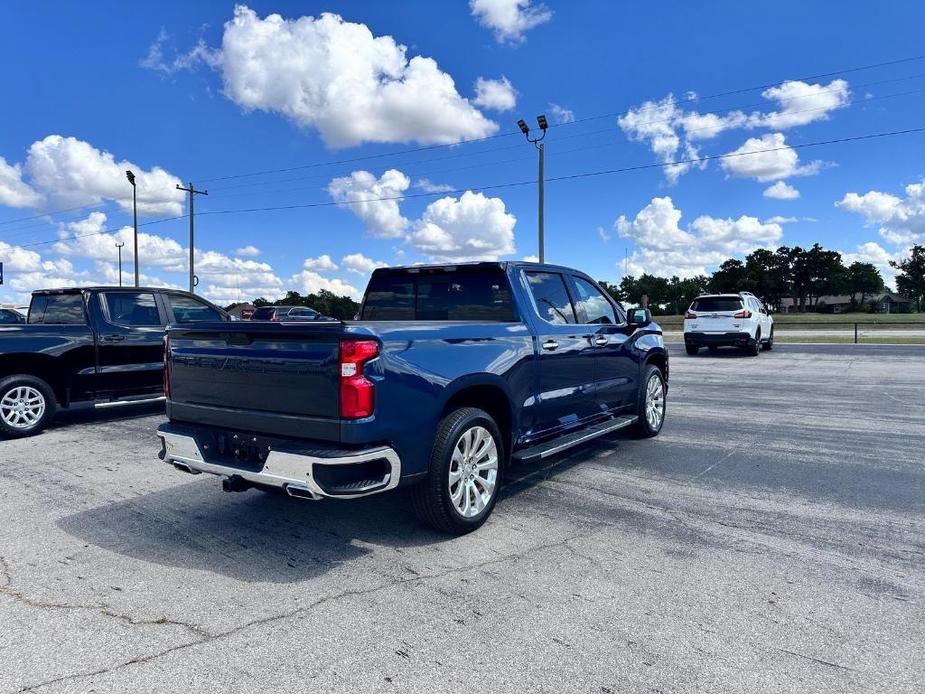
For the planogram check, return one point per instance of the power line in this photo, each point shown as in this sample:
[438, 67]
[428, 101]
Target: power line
[412, 150]
[518, 159]
[588, 174]
[513, 184]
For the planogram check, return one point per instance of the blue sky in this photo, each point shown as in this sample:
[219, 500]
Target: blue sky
[203, 91]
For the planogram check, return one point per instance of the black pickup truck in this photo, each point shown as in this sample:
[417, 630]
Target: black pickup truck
[99, 346]
[449, 373]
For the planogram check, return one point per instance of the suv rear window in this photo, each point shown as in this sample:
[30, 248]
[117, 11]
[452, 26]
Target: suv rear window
[717, 303]
[460, 294]
[58, 309]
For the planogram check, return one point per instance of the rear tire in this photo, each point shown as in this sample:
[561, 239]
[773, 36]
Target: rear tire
[692, 349]
[755, 347]
[769, 345]
[651, 404]
[27, 405]
[466, 463]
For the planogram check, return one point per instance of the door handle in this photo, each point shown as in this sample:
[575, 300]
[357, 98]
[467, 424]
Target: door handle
[550, 345]
[601, 340]
[113, 338]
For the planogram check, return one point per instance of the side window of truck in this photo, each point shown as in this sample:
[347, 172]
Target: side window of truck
[133, 309]
[551, 297]
[58, 309]
[593, 306]
[186, 309]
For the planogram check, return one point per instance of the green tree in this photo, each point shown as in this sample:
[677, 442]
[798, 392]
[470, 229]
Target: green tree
[861, 279]
[731, 277]
[910, 280]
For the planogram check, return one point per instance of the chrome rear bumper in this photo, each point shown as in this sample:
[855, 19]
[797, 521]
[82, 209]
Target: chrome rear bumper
[290, 472]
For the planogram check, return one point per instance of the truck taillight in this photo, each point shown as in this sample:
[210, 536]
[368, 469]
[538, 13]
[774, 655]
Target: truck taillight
[166, 366]
[688, 315]
[742, 314]
[357, 393]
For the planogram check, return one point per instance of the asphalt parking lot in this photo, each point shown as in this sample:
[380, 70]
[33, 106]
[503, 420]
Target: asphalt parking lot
[772, 538]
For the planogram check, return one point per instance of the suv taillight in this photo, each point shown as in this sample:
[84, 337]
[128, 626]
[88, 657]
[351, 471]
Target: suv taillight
[166, 366]
[742, 314]
[688, 315]
[357, 393]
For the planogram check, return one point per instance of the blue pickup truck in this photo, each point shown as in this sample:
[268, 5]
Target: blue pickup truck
[449, 374]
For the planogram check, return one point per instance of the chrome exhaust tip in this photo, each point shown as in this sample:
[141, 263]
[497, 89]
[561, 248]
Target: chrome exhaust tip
[183, 467]
[300, 491]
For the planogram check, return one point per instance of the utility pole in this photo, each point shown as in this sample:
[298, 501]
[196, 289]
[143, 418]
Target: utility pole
[119, 246]
[131, 179]
[193, 281]
[525, 129]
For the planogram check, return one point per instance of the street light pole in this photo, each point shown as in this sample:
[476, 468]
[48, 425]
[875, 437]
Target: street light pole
[119, 246]
[131, 179]
[193, 281]
[537, 142]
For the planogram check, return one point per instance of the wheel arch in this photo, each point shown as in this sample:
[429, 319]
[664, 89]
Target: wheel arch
[485, 392]
[39, 366]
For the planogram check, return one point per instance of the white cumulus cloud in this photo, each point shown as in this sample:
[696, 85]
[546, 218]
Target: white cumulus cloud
[901, 219]
[781, 191]
[14, 192]
[509, 18]
[767, 158]
[671, 131]
[368, 198]
[471, 227]
[339, 78]
[248, 251]
[360, 264]
[69, 171]
[322, 263]
[497, 95]
[560, 114]
[666, 249]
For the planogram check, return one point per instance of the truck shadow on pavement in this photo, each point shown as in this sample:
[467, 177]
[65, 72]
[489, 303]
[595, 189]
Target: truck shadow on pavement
[90, 415]
[259, 537]
[251, 536]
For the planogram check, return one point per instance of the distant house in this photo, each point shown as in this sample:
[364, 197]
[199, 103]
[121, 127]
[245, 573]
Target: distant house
[887, 302]
[242, 311]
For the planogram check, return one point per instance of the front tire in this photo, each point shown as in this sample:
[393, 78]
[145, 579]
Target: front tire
[461, 489]
[651, 403]
[27, 405]
[691, 349]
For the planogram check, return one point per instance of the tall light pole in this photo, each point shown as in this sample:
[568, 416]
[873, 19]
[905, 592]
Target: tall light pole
[193, 281]
[131, 179]
[537, 142]
[119, 246]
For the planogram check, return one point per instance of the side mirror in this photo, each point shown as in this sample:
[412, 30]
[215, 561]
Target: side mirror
[639, 316]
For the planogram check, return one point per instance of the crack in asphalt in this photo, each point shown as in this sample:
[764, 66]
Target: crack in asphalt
[8, 590]
[211, 637]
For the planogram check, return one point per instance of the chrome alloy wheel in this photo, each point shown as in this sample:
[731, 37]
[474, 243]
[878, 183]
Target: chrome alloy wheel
[22, 407]
[473, 471]
[655, 402]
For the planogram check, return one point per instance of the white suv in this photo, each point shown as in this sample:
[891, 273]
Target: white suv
[733, 320]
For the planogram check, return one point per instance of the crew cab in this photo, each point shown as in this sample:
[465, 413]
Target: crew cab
[449, 373]
[728, 320]
[98, 346]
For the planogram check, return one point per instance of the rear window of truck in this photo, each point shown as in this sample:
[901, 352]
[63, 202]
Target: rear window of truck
[58, 309]
[455, 295]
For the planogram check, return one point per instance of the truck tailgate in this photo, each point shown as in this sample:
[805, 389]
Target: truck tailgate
[289, 369]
